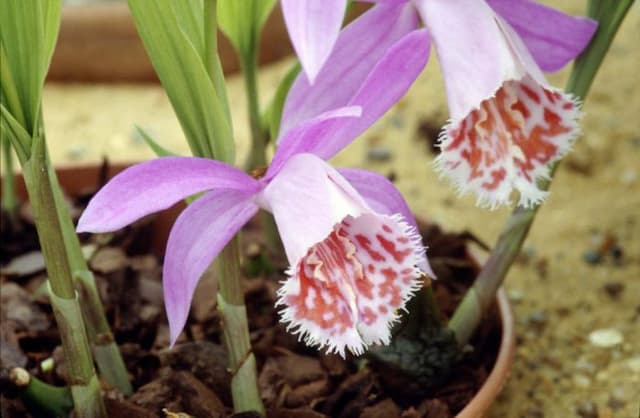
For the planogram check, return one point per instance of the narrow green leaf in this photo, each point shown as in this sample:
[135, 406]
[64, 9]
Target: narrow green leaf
[273, 114]
[28, 33]
[158, 149]
[242, 20]
[12, 130]
[169, 41]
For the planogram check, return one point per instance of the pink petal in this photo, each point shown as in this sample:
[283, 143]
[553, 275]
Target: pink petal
[307, 198]
[308, 136]
[474, 54]
[199, 234]
[313, 26]
[156, 185]
[359, 48]
[509, 142]
[383, 197]
[346, 291]
[552, 37]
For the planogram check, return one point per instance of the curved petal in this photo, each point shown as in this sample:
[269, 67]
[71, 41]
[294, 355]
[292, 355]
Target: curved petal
[359, 47]
[307, 198]
[199, 234]
[384, 198]
[308, 136]
[385, 85]
[313, 26]
[552, 37]
[155, 185]
[474, 54]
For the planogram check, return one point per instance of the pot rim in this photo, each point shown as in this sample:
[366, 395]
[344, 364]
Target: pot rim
[492, 387]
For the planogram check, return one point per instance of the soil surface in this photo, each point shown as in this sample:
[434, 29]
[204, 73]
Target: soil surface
[579, 273]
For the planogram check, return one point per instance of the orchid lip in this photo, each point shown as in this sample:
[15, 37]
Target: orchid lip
[345, 293]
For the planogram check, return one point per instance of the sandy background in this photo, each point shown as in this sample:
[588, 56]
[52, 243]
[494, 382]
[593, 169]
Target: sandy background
[559, 298]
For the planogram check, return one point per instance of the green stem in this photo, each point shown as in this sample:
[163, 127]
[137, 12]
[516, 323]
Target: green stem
[83, 381]
[105, 350]
[257, 156]
[9, 199]
[242, 362]
[469, 313]
[40, 397]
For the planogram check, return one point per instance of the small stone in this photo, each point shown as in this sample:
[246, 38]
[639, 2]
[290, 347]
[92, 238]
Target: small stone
[515, 295]
[592, 257]
[587, 409]
[606, 337]
[617, 399]
[537, 320]
[585, 366]
[379, 154]
[614, 289]
[109, 260]
[581, 381]
[634, 364]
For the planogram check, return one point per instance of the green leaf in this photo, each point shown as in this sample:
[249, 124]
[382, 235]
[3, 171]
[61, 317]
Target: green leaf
[11, 130]
[273, 114]
[28, 33]
[242, 20]
[158, 149]
[172, 33]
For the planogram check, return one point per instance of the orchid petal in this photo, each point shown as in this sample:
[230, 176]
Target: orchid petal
[385, 85]
[360, 46]
[345, 293]
[474, 55]
[308, 136]
[307, 198]
[313, 26]
[199, 234]
[383, 197]
[156, 185]
[552, 37]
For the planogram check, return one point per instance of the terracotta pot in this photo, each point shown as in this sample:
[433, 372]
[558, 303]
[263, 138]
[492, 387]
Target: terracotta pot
[99, 43]
[76, 180]
[491, 388]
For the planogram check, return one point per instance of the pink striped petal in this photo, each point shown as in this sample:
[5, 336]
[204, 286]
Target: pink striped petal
[359, 48]
[383, 197]
[156, 185]
[552, 37]
[199, 234]
[313, 26]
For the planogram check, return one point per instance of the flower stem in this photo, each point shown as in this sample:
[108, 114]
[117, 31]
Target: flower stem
[85, 388]
[105, 350]
[242, 362]
[9, 199]
[257, 156]
[481, 295]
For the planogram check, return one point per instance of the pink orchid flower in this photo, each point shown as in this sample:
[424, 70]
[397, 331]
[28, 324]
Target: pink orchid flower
[349, 236]
[507, 124]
